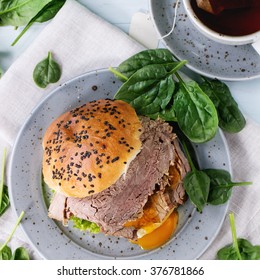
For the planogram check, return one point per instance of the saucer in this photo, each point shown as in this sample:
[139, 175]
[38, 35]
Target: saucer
[204, 56]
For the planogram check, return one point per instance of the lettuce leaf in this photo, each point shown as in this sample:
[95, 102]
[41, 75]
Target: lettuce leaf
[84, 225]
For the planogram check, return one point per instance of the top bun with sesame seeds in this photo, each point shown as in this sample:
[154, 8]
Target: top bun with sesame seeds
[89, 148]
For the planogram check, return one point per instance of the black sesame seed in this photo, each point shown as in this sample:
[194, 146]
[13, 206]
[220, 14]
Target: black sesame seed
[114, 159]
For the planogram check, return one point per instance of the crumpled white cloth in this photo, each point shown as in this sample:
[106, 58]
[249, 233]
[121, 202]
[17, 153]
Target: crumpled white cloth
[81, 41]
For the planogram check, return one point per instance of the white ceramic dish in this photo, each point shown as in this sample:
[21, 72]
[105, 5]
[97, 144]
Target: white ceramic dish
[51, 239]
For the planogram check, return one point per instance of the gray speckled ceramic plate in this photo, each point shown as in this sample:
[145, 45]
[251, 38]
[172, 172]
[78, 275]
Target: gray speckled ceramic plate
[54, 241]
[206, 57]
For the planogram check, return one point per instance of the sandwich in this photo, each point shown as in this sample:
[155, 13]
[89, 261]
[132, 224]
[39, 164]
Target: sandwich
[109, 166]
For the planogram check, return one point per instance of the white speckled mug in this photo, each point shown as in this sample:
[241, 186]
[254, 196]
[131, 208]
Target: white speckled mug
[253, 39]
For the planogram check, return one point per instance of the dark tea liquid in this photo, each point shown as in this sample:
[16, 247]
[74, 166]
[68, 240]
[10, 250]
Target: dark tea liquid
[234, 22]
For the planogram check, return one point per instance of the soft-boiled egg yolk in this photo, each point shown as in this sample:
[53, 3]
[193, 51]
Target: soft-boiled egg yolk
[160, 235]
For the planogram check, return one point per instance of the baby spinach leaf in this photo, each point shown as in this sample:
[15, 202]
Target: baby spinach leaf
[150, 89]
[240, 249]
[230, 117]
[196, 183]
[246, 249]
[49, 11]
[144, 58]
[19, 12]
[195, 112]
[6, 253]
[5, 201]
[21, 254]
[167, 114]
[45, 14]
[47, 71]
[221, 186]
[4, 198]
[235, 247]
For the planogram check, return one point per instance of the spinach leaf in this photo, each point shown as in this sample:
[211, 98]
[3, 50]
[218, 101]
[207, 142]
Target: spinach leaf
[47, 71]
[21, 254]
[4, 198]
[230, 117]
[231, 252]
[49, 11]
[5, 201]
[195, 112]
[19, 12]
[144, 58]
[248, 251]
[6, 253]
[241, 249]
[221, 186]
[150, 89]
[167, 114]
[196, 184]
[45, 14]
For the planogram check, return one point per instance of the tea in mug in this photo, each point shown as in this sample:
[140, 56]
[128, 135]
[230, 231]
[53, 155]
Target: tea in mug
[229, 17]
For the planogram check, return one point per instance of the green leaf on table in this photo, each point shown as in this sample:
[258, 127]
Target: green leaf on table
[6, 253]
[21, 254]
[196, 114]
[248, 251]
[4, 198]
[144, 58]
[19, 12]
[45, 14]
[230, 117]
[47, 71]
[221, 186]
[240, 249]
[5, 201]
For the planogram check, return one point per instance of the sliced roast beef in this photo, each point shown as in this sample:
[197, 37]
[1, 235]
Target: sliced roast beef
[147, 174]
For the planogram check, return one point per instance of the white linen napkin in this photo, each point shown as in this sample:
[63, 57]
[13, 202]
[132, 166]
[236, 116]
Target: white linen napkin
[81, 41]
